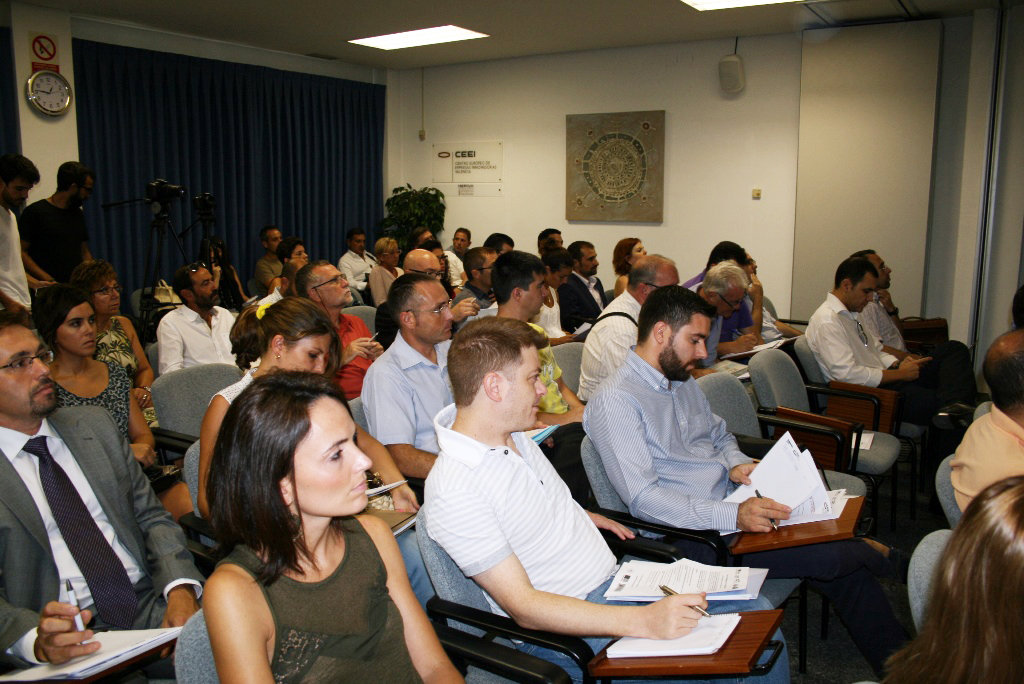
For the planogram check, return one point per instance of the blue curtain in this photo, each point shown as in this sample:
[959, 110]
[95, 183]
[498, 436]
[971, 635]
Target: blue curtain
[10, 134]
[298, 151]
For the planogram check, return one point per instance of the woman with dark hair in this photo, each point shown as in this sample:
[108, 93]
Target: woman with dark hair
[972, 630]
[447, 280]
[66, 322]
[307, 591]
[116, 339]
[292, 253]
[627, 251]
[558, 268]
[229, 286]
[290, 334]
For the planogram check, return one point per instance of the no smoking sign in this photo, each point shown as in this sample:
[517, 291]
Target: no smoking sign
[44, 47]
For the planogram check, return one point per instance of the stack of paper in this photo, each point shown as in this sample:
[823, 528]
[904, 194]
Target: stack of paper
[708, 636]
[790, 477]
[642, 580]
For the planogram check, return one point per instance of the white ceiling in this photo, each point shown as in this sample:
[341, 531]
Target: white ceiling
[520, 28]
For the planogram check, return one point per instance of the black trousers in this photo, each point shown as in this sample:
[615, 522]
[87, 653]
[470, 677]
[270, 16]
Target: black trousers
[844, 571]
[565, 457]
[947, 378]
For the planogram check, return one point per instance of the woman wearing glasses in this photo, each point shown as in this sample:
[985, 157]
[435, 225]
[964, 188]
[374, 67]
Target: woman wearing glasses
[116, 339]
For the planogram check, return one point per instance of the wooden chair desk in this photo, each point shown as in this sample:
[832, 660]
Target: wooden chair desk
[843, 527]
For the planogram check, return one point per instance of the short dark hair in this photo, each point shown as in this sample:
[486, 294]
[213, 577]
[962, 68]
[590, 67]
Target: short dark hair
[854, 269]
[469, 235]
[431, 244]
[182, 279]
[287, 246]
[92, 273]
[304, 276]
[620, 255]
[863, 253]
[498, 240]
[73, 172]
[576, 249]
[545, 235]
[293, 318]
[1004, 371]
[265, 231]
[726, 251]
[557, 259]
[483, 346]
[254, 451]
[549, 244]
[671, 304]
[52, 306]
[403, 291]
[10, 319]
[475, 258]
[16, 166]
[417, 234]
[514, 269]
[353, 232]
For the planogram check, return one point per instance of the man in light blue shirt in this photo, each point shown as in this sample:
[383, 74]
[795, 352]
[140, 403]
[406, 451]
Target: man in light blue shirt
[672, 461]
[408, 384]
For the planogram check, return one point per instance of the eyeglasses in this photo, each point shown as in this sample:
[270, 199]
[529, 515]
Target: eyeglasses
[23, 363]
[440, 309]
[336, 279]
[108, 290]
[430, 272]
[734, 305]
[650, 285]
[860, 331]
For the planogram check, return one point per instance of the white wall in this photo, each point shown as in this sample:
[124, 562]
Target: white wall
[718, 147]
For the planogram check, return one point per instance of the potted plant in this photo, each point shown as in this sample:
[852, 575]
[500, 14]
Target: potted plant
[408, 209]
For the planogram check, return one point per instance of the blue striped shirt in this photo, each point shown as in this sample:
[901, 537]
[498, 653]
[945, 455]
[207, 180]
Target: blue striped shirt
[665, 453]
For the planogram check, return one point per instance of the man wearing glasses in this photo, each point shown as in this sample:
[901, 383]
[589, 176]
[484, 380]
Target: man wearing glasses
[724, 286]
[198, 332]
[408, 384]
[614, 332]
[326, 286]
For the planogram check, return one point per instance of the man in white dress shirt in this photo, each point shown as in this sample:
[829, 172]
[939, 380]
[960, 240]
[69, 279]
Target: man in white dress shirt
[357, 263]
[197, 332]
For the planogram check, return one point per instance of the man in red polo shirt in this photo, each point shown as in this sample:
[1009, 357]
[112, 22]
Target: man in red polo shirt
[325, 285]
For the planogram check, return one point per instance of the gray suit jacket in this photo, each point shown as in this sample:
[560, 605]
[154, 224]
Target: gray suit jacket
[28, 574]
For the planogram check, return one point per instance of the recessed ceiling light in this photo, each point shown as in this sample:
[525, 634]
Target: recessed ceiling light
[427, 36]
[703, 5]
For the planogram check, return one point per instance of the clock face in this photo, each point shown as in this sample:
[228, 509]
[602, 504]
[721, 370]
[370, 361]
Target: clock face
[49, 92]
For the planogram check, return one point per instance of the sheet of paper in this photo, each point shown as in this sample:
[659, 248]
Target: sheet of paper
[540, 434]
[867, 438]
[117, 647]
[708, 636]
[760, 347]
[582, 329]
[782, 475]
[642, 580]
[755, 579]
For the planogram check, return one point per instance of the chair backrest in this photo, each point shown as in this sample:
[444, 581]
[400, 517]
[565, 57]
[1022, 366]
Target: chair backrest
[923, 563]
[767, 303]
[944, 491]
[730, 402]
[777, 381]
[135, 300]
[358, 413]
[449, 582]
[193, 655]
[153, 356]
[190, 471]
[569, 356]
[602, 487]
[181, 397]
[982, 408]
[366, 313]
[808, 362]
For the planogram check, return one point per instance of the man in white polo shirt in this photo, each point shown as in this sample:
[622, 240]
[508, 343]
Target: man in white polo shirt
[197, 332]
[499, 509]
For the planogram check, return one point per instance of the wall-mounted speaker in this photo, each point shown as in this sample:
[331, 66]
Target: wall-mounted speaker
[730, 74]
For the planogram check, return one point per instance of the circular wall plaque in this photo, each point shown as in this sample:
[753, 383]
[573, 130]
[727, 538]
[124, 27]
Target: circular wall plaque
[615, 167]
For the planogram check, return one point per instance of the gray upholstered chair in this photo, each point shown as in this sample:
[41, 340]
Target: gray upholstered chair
[777, 382]
[153, 356]
[982, 408]
[190, 472]
[944, 491]
[358, 414]
[193, 655]
[569, 356]
[365, 313]
[923, 563]
[181, 397]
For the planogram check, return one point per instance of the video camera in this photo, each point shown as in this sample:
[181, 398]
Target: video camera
[161, 191]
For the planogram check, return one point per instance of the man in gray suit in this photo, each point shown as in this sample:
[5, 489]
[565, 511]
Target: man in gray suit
[75, 506]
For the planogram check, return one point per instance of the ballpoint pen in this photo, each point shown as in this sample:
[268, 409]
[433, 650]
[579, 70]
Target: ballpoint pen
[775, 525]
[669, 592]
[73, 600]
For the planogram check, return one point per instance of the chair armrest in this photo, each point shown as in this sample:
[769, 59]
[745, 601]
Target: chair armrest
[574, 647]
[852, 395]
[204, 558]
[196, 527]
[710, 538]
[504, 661]
[792, 321]
[648, 549]
[886, 415]
[754, 447]
[171, 440]
[829, 439]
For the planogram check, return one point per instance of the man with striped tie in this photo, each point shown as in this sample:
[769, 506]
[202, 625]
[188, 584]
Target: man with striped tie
[75, 510]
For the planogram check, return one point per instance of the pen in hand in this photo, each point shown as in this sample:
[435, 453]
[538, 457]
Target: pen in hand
[73, 600]
[669, 592]
[775, 525]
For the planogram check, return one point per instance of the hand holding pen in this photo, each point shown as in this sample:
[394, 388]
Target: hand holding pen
[61, 634]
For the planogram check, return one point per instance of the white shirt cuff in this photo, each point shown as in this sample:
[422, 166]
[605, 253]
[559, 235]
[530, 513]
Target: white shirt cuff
[196, 586]
[24, 647]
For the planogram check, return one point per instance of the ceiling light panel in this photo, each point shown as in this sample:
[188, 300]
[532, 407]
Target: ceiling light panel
[427, 36]
[704, 5]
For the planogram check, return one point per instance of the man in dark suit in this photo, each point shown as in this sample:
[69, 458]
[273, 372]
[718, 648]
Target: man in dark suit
[582, 297]
[75, 506]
